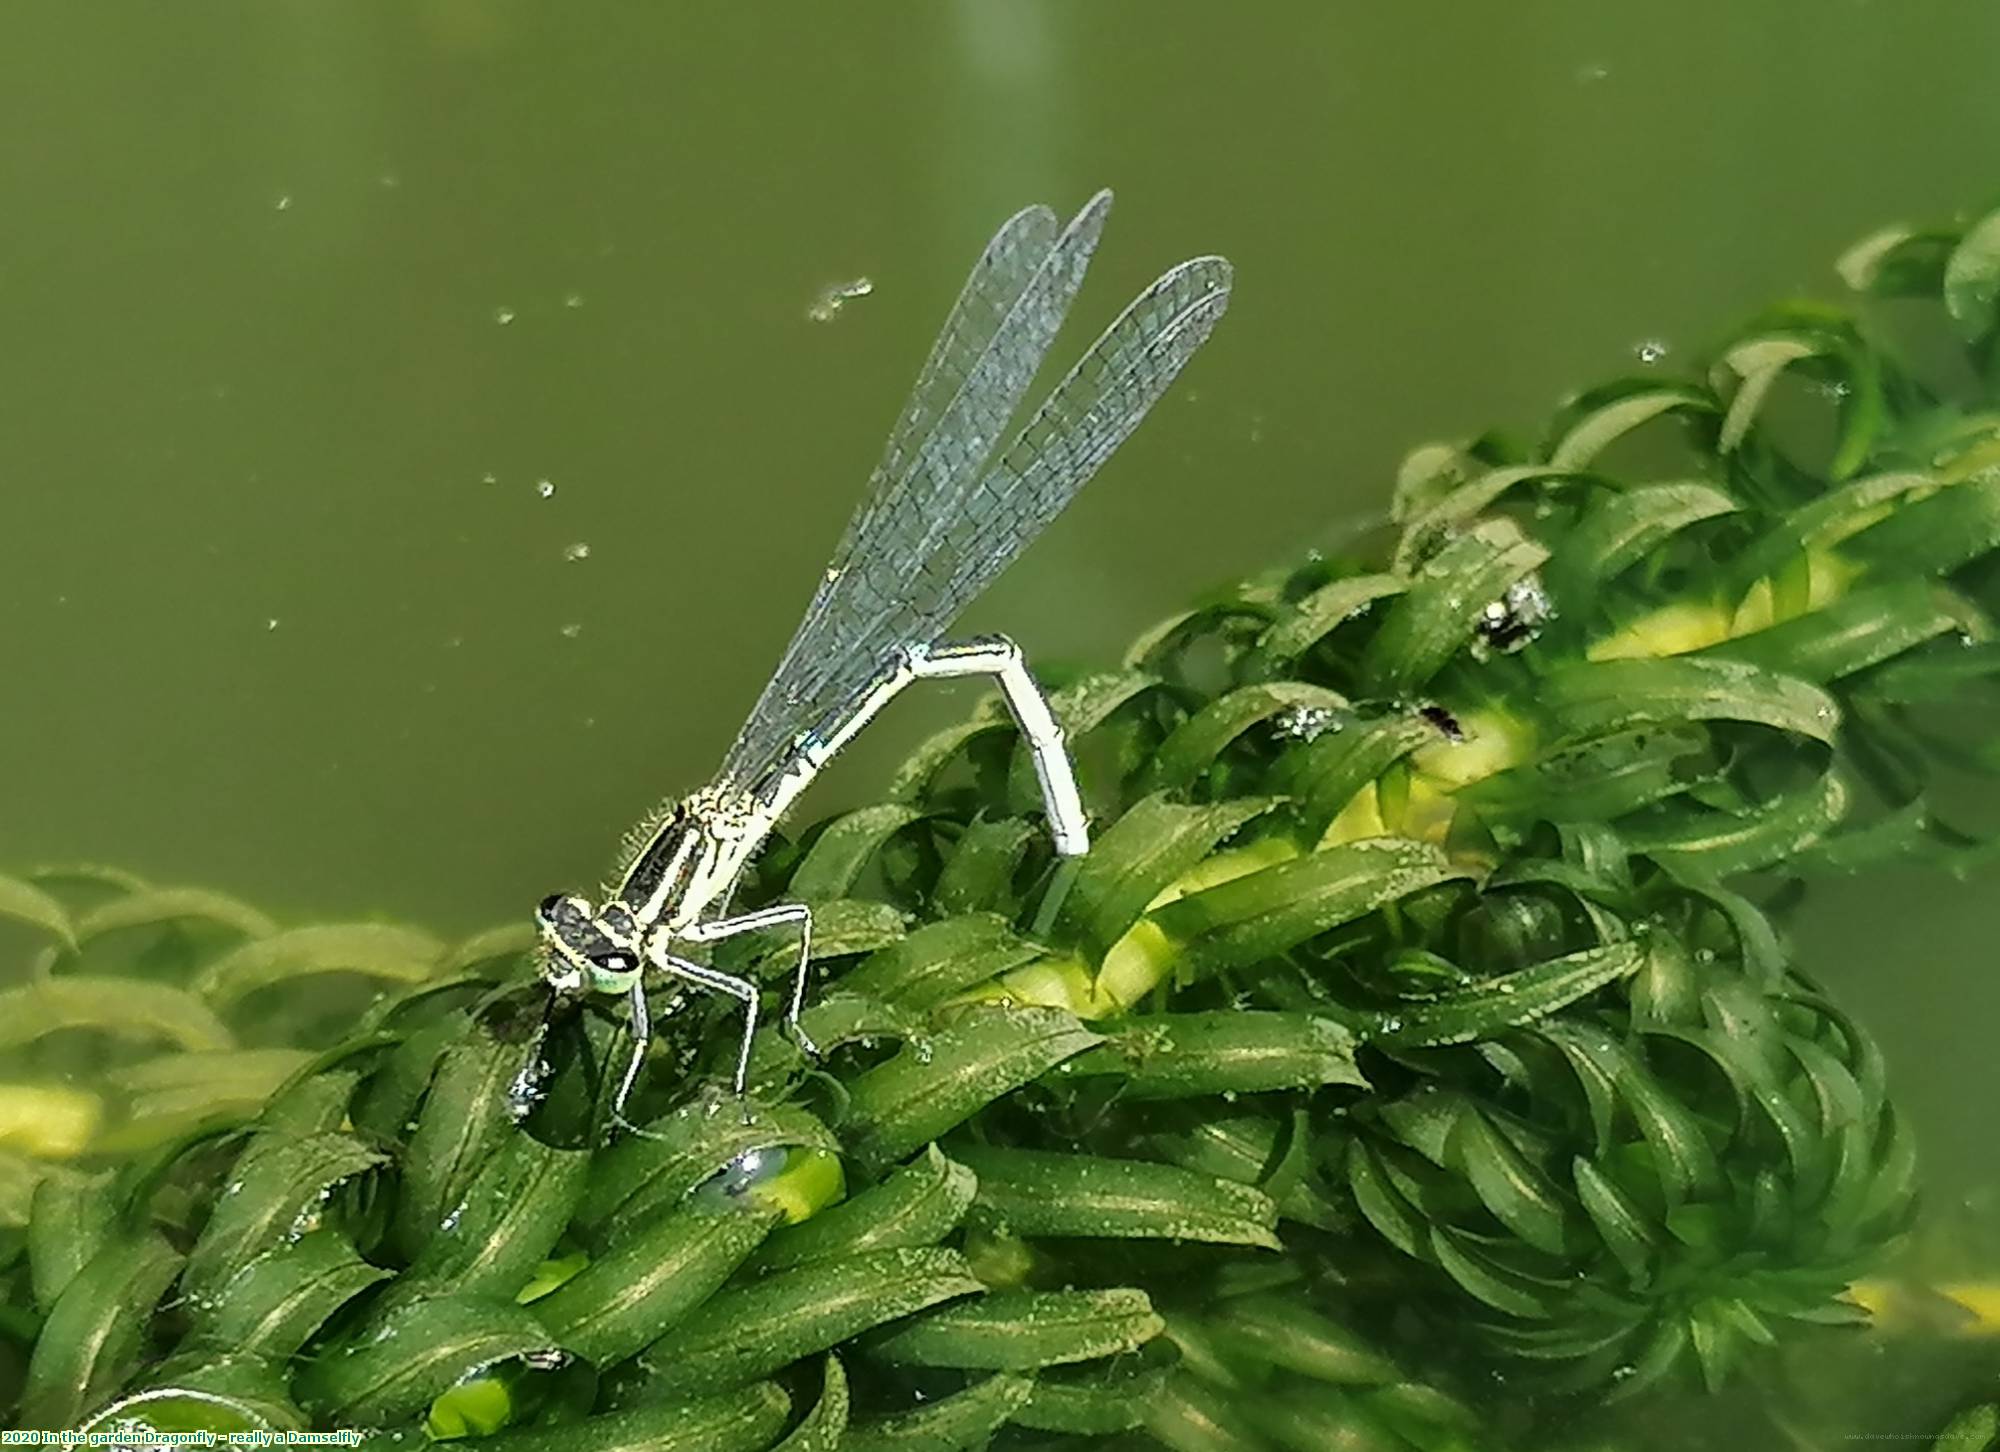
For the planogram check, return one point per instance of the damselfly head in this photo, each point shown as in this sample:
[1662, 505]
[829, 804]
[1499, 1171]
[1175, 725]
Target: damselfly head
[587, 951]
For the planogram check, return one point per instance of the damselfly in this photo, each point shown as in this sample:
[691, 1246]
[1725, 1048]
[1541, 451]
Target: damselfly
[947, 510]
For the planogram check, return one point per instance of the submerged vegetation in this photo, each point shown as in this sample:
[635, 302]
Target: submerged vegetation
[1415, 1061]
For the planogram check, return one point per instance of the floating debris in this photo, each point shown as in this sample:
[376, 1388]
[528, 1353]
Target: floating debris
[835, 296]
[1514, 620]
[1306, 723]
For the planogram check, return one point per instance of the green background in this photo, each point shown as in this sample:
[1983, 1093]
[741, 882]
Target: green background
[268, 628]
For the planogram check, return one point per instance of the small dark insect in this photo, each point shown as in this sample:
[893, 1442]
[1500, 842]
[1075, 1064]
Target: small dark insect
[1446, 723]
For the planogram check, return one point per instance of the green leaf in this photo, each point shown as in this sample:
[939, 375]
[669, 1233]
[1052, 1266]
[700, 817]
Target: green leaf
[640, 1178]
[1897, 261]
[466, 1117]
[1507, 1001]
[651, 1280]
[1228, 1051]
[94, 1334]
[836, 1020]
[1758, 363]
[1972, 279]
[1154, 844]
[491, 945]
[825, 1426]
[515, 1209]
[1081, 707]
[1821, 523]
[913, 777]
[392, 1370]
[978, 876]
[1382, 1204]
[964, 1420]
[175, 1093]
[751, 1331]
[1056, 1193]
[1624, 409]
[1193, 747]
[1282, 1331]
[158, 906]
[1600, 697]
[71, 1219]
[1601, 779]
[23, 902]
[1095, 1400]
[1722, 844]
[1859, 630]
[275, 1303]
[842, 851]
[1424, 533]
[1307, 622]
[228, 1392]
[1024, 1330]
[988, 1050]
[1190, 1416]
[1509, 1185]
[371, 950]
[1260, 1151]
[127, 1008]
[940, 960]
[276, 1185]
[1976, 1429]
[1485, 1279]
[1683, 1161]
[1618, 1222]
[1430, 623]
[743, 1420]
[1620, 529]
[918, 1204]
[842, 928]
[1322, 775]
[1257, 916]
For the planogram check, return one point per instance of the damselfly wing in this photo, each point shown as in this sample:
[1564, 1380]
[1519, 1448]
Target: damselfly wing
[947, 509]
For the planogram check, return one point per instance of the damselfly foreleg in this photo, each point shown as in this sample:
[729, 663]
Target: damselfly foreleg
[776, 916]
[640, 1023]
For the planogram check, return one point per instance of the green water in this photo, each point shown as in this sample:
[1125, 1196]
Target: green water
[300, 305]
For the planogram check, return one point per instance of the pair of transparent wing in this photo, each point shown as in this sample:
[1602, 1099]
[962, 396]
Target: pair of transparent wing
[942, 516]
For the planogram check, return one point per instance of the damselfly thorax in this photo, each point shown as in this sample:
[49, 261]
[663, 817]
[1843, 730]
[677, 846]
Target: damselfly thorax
[946, 511]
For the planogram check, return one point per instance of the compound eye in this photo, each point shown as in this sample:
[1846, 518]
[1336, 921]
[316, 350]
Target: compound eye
[562, 910]
[615, 964]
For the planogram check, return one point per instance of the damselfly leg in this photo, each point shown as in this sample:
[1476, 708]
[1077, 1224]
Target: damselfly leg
[639, 1023]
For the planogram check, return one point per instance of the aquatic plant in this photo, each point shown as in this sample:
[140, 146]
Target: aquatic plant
[1417, 1046]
